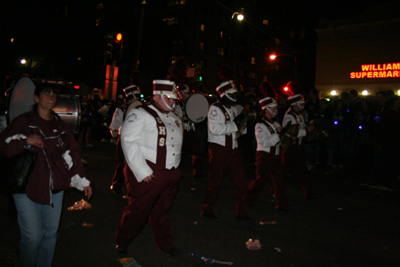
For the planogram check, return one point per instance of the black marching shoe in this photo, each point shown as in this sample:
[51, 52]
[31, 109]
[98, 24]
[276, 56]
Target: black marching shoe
[122, 252]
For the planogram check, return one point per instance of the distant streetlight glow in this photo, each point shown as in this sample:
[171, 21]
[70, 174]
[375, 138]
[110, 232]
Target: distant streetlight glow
[365, 92]
[23, 61]
[272, 57]
[333, 92]
[240, 17]
[398, 92]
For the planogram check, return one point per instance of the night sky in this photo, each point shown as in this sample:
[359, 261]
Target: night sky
[56, 37]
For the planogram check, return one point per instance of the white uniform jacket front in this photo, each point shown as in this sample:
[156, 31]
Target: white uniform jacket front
[140, 142]
[295, 119]
[267, 139]
[218, 126]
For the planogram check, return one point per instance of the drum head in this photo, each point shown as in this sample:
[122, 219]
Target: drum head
[20, 99]
[68, 106]
[197, 108]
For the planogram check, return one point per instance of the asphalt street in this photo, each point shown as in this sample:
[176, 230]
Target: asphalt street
[354, 223]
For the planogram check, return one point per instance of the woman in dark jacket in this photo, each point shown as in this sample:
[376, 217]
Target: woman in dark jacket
[58, 166]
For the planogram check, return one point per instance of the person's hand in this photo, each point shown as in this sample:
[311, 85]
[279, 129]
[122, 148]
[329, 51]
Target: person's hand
[34, 140]
[88, 191]
[148, 178]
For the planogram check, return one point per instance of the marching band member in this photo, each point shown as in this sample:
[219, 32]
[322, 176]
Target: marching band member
[151, 139]
[268, 161]
[224, 157]
[132, 93]
[191, 142]
[293, 157]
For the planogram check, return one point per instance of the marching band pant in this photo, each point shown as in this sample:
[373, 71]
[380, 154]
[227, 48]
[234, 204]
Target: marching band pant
[149, 201]
[294, 161]
[268, 166]
[224, 160]
[119, 177]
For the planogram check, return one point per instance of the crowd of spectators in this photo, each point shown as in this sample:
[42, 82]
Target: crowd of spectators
[364, 132]
[358, 132]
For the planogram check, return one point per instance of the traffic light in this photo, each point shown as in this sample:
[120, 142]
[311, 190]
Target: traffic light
[118, 37]
[118, 45]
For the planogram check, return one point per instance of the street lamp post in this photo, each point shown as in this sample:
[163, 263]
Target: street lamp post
[232, 44]
[273, 57]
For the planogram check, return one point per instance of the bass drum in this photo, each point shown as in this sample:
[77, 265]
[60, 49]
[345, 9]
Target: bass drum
[197, 107]
[20, 100]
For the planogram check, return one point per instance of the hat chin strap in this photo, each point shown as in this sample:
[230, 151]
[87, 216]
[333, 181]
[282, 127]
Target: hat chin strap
[230, 98]
[273, 113]
[165, 103]
[298, 104]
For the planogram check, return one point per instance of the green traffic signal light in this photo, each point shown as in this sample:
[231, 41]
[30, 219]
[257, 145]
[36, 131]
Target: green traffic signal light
[200, 79]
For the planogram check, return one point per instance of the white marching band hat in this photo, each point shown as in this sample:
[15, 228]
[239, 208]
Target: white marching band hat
[165, 87]
[226, 88]
[131, 90]
[268, 102]
[296, 99]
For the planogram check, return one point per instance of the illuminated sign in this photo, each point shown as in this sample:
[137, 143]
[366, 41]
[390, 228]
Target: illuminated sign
[372, 71]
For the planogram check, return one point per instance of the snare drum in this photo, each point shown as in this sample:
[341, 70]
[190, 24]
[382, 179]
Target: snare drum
[197, 108]
[20, 100]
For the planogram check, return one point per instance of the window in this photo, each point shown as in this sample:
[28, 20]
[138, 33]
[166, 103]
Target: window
[253, 60]
[252, 75]
[221, 34]
[203, 46]
[220, 51]
[241, 72]
[176, 2]
[202, 27]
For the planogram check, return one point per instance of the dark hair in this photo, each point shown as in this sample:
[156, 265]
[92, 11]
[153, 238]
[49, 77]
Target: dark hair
[46, 87]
